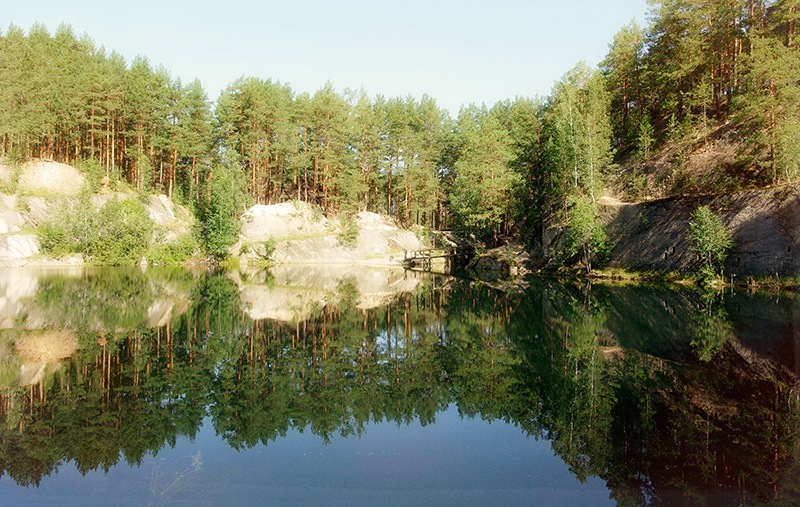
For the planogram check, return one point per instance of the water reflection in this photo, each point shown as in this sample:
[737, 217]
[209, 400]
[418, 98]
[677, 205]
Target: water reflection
[668, 395]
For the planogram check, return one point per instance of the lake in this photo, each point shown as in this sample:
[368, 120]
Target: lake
[323, 385]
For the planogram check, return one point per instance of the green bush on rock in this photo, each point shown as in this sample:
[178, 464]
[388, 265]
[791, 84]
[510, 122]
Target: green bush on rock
[711, 241]
[118, 233]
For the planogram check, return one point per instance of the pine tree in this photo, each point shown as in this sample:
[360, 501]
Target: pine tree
[482, 192]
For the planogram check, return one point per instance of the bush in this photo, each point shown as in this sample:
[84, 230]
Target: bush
[711, 241]
[178, 251]
[119, 233]
[269, 248]
[124, 233]
[348, 230]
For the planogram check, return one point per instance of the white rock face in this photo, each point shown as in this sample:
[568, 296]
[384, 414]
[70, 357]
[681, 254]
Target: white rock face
[303, 235]
[51, 178]
[19, 246]
[285, 220]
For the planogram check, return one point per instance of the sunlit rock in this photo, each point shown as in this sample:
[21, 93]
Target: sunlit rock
[300, 233]
[46, 346]
[50, 178]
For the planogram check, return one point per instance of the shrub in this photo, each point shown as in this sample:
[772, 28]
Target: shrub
[124, 232]
[177, 251]
[711, 241]
[269, 248]
[348, 230]
[119, 233]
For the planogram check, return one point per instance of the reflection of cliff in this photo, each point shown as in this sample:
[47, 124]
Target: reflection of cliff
[80, 298]
[702, 399]
[18, 286]
[658, 421]
[47, 313]
[295, 293]
[40, 353]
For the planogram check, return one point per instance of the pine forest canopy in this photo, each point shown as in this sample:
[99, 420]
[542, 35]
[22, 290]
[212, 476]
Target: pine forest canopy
[700, 64]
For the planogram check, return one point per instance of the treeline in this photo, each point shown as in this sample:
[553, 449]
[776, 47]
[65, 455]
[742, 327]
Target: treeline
[530, 162]
[62, 98]
[706, 63]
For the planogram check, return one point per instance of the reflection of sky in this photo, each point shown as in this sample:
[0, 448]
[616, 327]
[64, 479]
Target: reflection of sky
[454, 461]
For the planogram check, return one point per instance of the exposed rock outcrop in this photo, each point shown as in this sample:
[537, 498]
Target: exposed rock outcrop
[44, 190]
[296, 232]
[51, 178]
[654, 236]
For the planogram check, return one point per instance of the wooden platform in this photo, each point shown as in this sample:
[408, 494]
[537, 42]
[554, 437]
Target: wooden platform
[421, 259]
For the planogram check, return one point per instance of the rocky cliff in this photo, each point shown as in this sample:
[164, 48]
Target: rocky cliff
[297, 232]
[37, 192]
[654, 236]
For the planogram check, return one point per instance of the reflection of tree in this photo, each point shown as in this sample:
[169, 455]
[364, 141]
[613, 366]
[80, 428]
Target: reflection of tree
[710, 327]
[567, 368]
[657, 424]
[481, 354]
[332, 375]
[584, 425]
[125, 395]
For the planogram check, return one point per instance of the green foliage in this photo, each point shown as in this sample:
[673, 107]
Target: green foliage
[124, 232]
[178, 251]
[482, 194]
[646, 138]
[586, 239]
[263, 252]
[578, 152]
[65, 99]
[269, 248]
[348, 232]
[10, 185]
[636, 185]
[94, 173]
[224, 199]
[768, 106]
[711, 241]
[118, 233]
[624, 67]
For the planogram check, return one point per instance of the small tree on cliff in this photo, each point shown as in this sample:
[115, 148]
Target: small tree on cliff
[711, 241]
[586, 240]
[222, 201]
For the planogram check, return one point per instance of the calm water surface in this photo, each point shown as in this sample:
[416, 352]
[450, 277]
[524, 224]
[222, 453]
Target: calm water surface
[360, 386]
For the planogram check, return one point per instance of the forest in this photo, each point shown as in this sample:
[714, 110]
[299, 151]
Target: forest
[700, 70]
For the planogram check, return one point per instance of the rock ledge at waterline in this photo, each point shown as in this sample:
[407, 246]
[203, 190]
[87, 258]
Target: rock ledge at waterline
[42, 189]
[297, 232]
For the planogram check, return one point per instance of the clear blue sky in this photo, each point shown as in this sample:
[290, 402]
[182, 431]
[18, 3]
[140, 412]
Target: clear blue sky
[456, 51]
